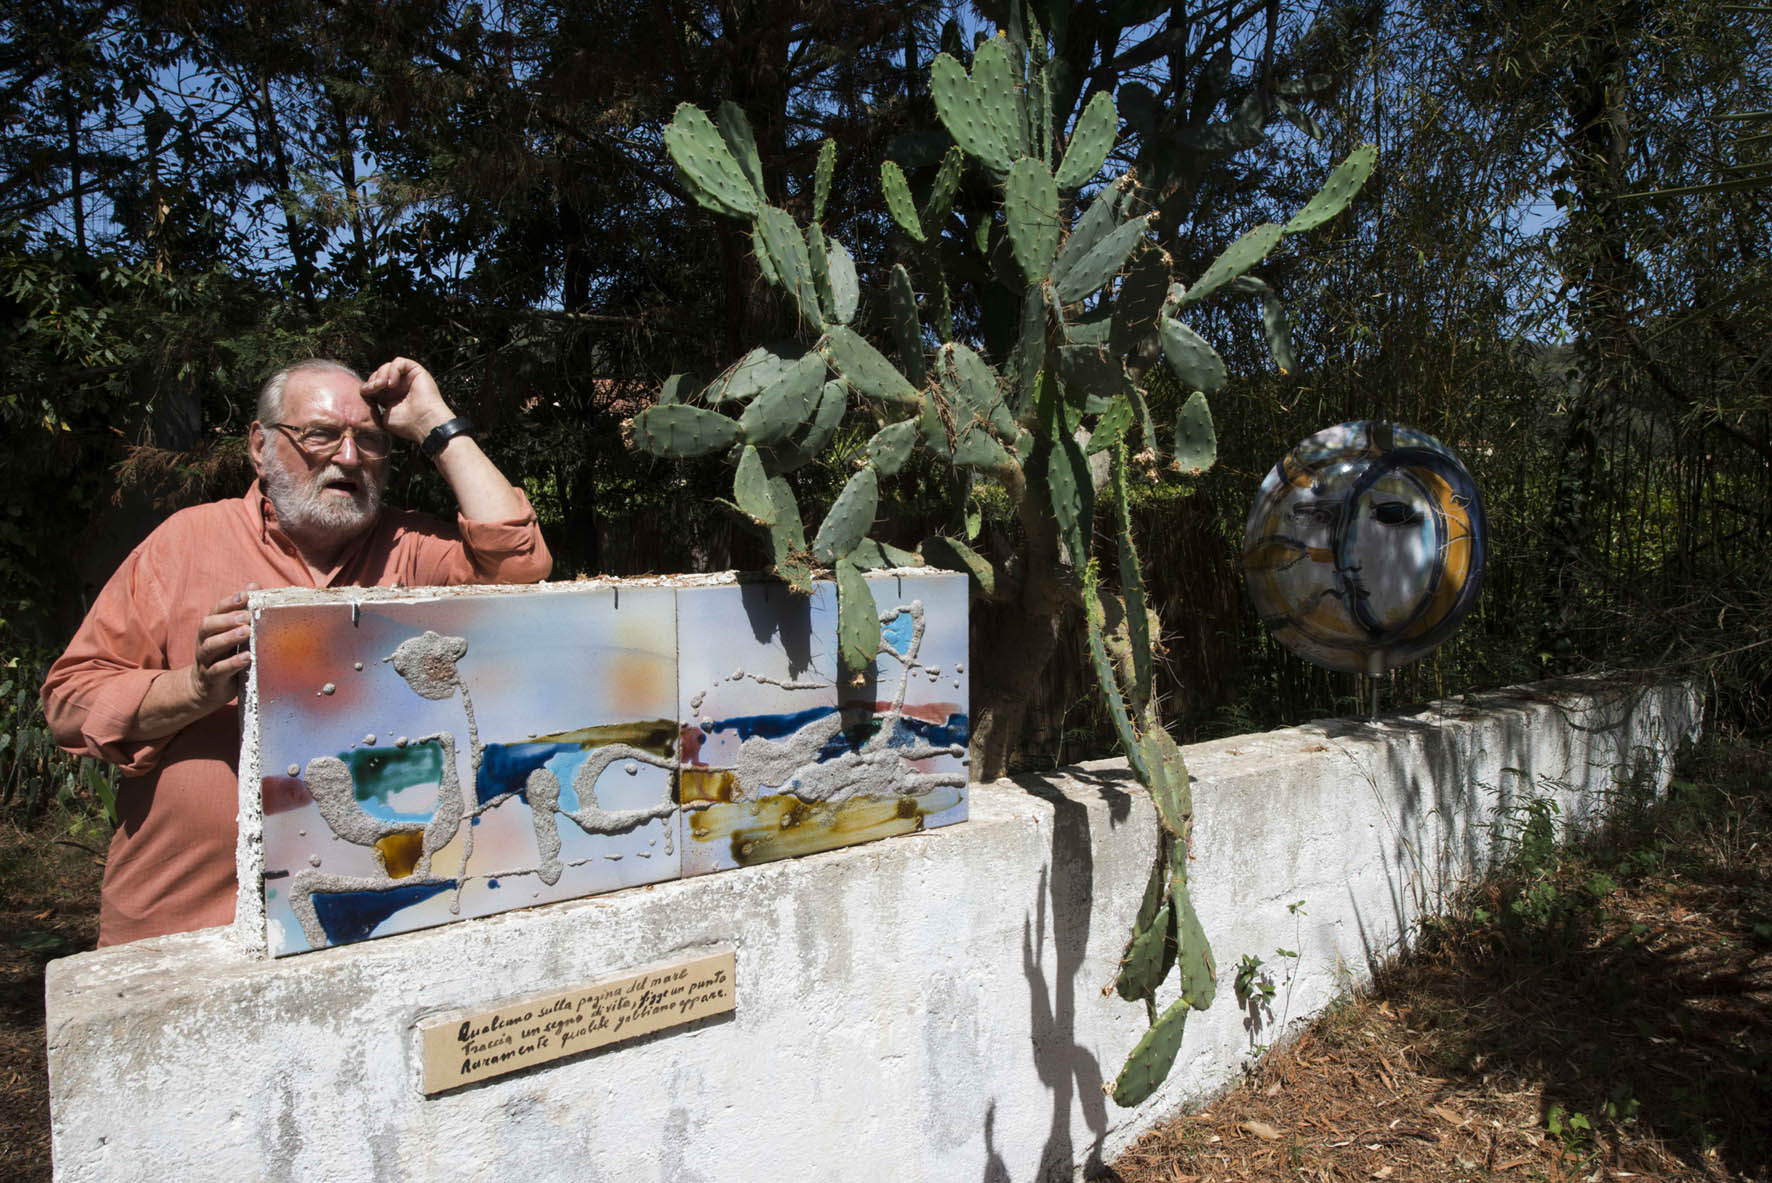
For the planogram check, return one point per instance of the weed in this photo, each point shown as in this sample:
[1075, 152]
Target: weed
[1251, 984]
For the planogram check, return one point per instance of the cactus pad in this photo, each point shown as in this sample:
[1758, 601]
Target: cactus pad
[1196, 363]
[898, 200]
[1089, 370]
[1237, 258]
[820, 266]
[1111, 427]
[851, 516]
[845, 285]
[941, 192]
[778, 236]
[1142, 970]
[1199, 974]
[866, 368]
[776, 411]
[907, 330]
[1030, 212]
[1095, 224]
[750, 488]
[1168, 784]
[858, 622]
[870, 555]
[735, 129]
[977, 448]
[891, 446]
[1101, 264]
[754, 373]
[1273, 319]
[1337, 191]
[972, 391]
[936, 436]
[678, 431]
[821, 178]
[1138, 302]
[950, 554]
[1091, 141]
[1150, 1061]
[1196, 443]
[1073, 496]
[980, 112]
[709, 171]
[787, 538]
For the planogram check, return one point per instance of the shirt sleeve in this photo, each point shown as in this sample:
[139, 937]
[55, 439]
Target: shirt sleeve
[510, 551]
[93, 691]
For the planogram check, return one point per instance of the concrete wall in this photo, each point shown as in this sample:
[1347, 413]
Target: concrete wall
[930, 1007]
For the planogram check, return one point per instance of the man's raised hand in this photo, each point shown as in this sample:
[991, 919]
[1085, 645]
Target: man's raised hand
[408, 396]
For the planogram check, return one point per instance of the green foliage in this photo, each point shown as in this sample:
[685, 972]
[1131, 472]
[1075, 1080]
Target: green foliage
[965, 419]
[1251, 984]
[36, 777]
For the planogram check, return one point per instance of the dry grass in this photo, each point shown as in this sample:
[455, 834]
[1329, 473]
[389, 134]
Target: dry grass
[1594, 1014]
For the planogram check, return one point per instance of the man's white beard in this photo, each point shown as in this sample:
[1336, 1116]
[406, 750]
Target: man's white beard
[302, 510]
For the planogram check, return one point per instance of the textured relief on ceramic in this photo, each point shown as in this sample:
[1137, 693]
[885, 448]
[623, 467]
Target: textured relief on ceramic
[784, 759]
[1364, 548]
[431, 760]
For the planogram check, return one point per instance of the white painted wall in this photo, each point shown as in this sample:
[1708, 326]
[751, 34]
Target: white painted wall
[926, 1008]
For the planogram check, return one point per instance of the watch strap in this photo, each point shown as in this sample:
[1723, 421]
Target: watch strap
[444, 432]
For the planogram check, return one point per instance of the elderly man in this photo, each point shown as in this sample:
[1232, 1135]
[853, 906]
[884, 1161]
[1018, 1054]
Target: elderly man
[149, 680]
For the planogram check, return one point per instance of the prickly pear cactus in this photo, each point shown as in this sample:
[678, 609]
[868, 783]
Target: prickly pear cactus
[1026, 414]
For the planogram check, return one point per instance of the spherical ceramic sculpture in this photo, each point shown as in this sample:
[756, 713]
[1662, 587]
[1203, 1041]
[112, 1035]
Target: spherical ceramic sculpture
[1364, 547]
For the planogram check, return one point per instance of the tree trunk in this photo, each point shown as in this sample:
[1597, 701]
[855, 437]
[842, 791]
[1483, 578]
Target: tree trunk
[1596, 264]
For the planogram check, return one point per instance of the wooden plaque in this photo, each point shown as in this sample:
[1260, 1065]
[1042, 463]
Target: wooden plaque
[465, 1046]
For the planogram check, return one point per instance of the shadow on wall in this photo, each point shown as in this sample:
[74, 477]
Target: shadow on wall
[1061, 914]
[1453, 803]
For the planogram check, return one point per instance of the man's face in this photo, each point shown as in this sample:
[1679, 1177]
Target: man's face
[332, 498]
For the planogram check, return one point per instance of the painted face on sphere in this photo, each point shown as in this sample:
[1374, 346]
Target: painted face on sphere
[1364, 548]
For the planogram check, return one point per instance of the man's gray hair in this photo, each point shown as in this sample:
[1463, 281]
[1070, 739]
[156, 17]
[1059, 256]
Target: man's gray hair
[270, 395]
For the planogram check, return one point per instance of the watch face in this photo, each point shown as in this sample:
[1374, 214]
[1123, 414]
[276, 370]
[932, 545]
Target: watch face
[1364, 548]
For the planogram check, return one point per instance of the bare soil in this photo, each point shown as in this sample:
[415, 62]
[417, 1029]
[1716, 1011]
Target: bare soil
[1590, 1014]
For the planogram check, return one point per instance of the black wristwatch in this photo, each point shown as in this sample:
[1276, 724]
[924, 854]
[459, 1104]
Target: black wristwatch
[444, 432]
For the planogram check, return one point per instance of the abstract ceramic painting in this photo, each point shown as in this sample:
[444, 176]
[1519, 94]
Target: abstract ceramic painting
[1364, 548]
[433, 760]
[778, 760]
[438, 757]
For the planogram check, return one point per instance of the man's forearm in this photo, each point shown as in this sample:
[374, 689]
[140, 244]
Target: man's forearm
[170, 705]
[481, 490]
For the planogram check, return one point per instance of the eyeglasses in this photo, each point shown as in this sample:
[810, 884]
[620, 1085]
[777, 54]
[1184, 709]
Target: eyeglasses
[322, 442]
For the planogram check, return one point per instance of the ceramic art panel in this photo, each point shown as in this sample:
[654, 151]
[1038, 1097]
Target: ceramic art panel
[778, 760]
[427, 760]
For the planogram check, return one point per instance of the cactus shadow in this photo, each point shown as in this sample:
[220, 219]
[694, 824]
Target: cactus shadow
[775, 613]
[1061, 919]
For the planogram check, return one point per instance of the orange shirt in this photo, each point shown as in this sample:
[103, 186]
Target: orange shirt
[171, 862]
